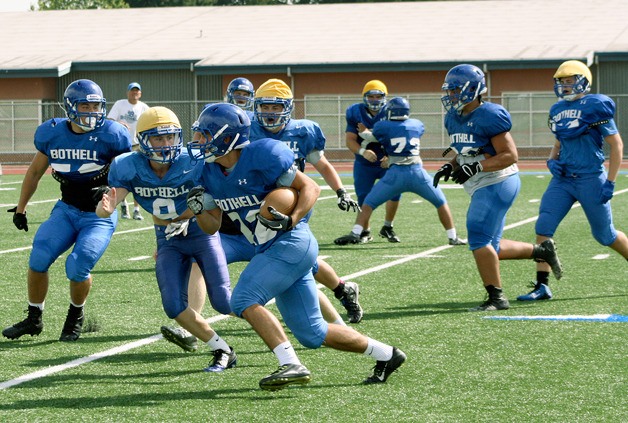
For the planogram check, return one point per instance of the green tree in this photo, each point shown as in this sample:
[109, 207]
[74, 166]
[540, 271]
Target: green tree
[81, 4]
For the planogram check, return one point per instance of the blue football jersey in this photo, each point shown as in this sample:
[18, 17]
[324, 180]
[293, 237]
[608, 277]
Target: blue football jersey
[164, 197]
[79, 157]
[240, 192]
[358, 113]
[302, 136]
[470, 137]
[401, 138]
[581, 126]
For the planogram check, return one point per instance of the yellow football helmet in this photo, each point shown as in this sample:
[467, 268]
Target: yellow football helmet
[158, 121]
[273, 91]
[582, 74]
[374, 87]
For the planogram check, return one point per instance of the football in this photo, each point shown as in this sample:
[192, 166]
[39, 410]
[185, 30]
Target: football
[282, 199]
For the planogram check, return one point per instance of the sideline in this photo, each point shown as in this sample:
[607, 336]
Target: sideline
[146, 341]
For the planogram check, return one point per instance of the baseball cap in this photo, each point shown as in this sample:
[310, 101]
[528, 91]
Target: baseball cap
[134, 85]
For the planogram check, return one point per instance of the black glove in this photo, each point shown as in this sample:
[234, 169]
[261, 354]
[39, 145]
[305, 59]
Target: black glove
[345, 202]
[444, 171]
[19, 219]
[98, 192]
[195, 199]
[464, 172]
[280, 221]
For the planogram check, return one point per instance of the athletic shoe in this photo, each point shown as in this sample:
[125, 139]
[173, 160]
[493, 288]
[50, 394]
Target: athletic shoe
[180, 337]
[137, 215]
[457, 241]
[350, 302]
[365, 236]
[493, 304]
[383, 369]
[546, 252]
[32, 325]
[73, 324]
[540, 292]
[222, 361]
[124, 212]
[285, 375]
[388, 233]
[348, 239]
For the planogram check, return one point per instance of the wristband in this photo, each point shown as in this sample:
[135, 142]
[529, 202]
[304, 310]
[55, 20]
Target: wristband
[361, 151]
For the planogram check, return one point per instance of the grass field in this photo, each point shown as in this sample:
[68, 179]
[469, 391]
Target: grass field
[461, 367]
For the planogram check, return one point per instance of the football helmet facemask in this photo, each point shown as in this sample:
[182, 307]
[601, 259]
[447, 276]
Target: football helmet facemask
[397, 109]
[243, 101]
[582, 84]
[220, 128]
[159, 121]
[273, 91]
[463, 84]
[84, 91]
[374, 87]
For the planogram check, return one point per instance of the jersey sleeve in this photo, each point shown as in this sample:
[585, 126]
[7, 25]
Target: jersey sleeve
[122, 171]
[352, 120]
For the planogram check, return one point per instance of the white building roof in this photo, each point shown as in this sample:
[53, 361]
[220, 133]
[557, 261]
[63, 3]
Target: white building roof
[332, 36]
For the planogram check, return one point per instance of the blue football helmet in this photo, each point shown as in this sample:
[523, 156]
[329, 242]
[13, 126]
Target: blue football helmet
[243, 101]
[463, 84]
[397, 109]
[221, 127]
[159, 121]
[85, 91]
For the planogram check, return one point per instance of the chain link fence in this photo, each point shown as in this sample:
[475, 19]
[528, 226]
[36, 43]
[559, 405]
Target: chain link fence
[529, 111]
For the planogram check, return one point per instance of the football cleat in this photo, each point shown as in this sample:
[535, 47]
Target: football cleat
[493, 304]
[124, 212]
[388, 233]
[383, 369]
[137, 215]
[180, 337]
[457, 241]
[540, 292]
[365, 236]
[222, 361]
[32, 325]
[73, 324]
[348, 239]
[350, 302]
[286, 375]
[546, 252]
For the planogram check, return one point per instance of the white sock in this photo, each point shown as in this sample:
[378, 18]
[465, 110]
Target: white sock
[340, 322]
[388, 223]
[451, 233]
[286, 354]
[136, 209]
[78, 305]
[38, 305]
[217, 343]
[378, 350]
[357, 229]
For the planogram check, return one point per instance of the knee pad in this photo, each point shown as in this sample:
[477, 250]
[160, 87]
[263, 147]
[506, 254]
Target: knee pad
[606, 237]
[75, 270]
[40, 260]
[313, 336]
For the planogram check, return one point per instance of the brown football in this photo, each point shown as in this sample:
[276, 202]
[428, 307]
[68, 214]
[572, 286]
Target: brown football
[282, 199]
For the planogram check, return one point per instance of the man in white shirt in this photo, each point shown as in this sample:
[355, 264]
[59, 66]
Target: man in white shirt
[127, 111]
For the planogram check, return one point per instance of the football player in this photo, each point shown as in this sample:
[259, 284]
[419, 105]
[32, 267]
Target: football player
[369, 154]
[79, 149]
[241, 92]
[160, 175]
[581, 123]
[485, 165]
[400, 137]
[273, 110]
[237, 176]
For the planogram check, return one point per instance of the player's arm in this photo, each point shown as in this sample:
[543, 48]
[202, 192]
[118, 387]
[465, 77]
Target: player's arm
[505, 153]
[353, 143]
[308, 194]
[110, 199]
[33, 175]
[209, 220]
[615, 157]
[328, 173]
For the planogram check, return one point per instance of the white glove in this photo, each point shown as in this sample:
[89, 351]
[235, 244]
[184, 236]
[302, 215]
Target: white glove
[177, 228]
